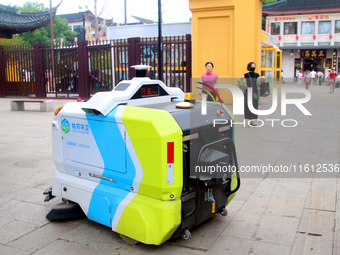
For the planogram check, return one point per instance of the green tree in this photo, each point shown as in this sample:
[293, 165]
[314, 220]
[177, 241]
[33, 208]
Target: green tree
[33, 7]
[43, 34]
[16, 40]
[268, 2]
[265, 2]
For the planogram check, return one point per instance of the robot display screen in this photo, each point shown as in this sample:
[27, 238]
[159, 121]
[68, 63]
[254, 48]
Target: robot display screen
[150, 90]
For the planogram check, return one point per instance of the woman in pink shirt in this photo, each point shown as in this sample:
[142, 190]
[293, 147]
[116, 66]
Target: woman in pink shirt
[210, 79]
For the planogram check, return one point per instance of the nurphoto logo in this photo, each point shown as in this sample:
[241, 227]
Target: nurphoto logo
[238, 103]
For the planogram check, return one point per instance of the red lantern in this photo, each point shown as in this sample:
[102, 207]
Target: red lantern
[330, 36]
[279, 37]
[314, 36]
[297, 37]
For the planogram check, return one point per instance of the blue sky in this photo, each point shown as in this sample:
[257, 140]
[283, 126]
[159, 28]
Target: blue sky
[174, 10]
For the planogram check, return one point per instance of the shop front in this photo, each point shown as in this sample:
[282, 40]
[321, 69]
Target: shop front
[313, 59]
[318, 59]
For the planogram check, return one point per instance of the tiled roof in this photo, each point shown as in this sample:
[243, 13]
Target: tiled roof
[11, 18]
[72, 17]
[301, 6]
[144, 21]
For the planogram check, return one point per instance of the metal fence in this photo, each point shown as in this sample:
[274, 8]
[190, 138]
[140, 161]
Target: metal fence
[20, 71]
[86, 68]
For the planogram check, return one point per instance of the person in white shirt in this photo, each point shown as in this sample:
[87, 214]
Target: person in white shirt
[282, 77]
[312, 75]
[320, 76]
[300, 77]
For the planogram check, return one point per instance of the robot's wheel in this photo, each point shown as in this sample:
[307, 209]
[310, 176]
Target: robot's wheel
[128, 240]
[224, 212]
[186, 234]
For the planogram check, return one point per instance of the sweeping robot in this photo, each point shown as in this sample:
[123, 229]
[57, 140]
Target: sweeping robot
[143, 160]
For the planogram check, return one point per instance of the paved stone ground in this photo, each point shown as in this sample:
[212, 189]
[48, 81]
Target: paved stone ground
[272, 213]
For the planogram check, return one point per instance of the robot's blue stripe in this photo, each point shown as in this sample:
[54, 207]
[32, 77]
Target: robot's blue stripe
[117, 165]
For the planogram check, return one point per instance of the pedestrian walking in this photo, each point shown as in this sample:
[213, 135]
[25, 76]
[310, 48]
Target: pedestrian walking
[320, 76]
[300, 78]
[282, 77]
[307, 79]
[312, 76]
[251, 80]
[332, 77]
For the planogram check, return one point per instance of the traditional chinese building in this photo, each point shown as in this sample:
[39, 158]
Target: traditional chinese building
[13, 21]
[78, 21]
[308, 32]
[85, 22]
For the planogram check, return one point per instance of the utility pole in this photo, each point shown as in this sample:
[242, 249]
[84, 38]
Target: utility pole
[52, 46]
[96, 20]
[125, 18]
[160, 50]
[84, 26]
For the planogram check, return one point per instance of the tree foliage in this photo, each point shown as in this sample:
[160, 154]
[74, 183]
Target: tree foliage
[33, 7]
[16, 40]
[265, 2]
[268, 2]
[43, 34]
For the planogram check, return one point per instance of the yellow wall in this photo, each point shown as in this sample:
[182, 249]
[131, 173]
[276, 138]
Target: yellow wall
[227, 33]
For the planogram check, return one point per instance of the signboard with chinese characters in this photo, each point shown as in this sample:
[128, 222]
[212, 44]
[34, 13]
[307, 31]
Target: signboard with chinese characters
[310, 17]
[313, 53]
[322, 16]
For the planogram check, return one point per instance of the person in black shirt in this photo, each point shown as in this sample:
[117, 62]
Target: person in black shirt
[251, 79]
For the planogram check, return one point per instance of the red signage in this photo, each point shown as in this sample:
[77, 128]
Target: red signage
[285, 18]
[310, 17]
[324, 16]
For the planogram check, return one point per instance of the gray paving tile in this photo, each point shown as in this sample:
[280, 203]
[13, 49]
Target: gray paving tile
[336, 238]
[8, 188]
[14, 230]
[31, 195]
[251, 181]
[284, 188]
[274, 205]
[317, 222]
[262, 227]
[337, 209]
[25, 212]
[163, 249]
[245, 192]
[330, 148]
[232, 246]
[298, 158]
[310, 244]
[322, 194]
[74, 248]
[43, 236]
[7, 250]
[307, 147]
[329, 155]
[286, 135]
[92, 233]
[4, 221]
